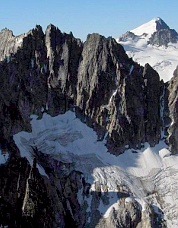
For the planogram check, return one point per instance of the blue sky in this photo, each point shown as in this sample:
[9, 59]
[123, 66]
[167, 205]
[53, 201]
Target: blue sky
[107, 17]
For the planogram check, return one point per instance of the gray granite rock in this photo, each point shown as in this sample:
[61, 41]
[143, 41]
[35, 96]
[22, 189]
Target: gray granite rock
[173, 110]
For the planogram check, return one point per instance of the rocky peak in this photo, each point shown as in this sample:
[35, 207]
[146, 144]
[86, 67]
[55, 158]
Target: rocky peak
[148, 28]
[99, 73]
[163, 34]
[9, 44]
[160, 24]
[155, 32]
[63, 53]
[7, 33]
[163, 37]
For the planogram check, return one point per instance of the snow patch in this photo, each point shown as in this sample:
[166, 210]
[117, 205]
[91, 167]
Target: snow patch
[164, 153]
[129, 200]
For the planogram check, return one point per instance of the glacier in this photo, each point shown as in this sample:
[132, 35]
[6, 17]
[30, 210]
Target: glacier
[150, 174]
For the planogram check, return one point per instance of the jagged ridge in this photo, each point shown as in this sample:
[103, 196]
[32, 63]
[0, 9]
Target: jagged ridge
[54, 72]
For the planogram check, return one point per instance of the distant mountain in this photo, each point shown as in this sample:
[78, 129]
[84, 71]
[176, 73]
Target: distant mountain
[154, 43]
[150, 27]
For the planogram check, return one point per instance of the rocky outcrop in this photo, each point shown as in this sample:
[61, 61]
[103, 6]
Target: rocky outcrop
[126, 36]
[163, 37]
[128, 215]
[9, 44]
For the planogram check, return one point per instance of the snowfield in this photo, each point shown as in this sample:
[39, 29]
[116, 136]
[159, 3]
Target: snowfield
[149, 28]
[146, 173]
[163, 60]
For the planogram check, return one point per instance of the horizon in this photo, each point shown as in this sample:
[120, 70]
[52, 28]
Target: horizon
[112, 18]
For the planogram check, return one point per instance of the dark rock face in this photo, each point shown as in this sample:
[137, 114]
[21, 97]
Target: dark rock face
[24, 88]
[28, 199]
[22, 196]
[52, 71]
[173, 110]
[160, 24]
[63, 53]
[127, 35]
[40, 76]
[118, 94]
[163, 37]
[98, 75]
[152, 105]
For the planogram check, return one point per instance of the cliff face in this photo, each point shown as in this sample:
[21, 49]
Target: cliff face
[52, 71]
[163, 37]
[63, 55]
[118, 94]
[40, 76]
[123, 102]
[9, 44]
[173, 107]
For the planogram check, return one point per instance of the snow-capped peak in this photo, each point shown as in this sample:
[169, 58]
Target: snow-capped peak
[154, 43]
[150, 27]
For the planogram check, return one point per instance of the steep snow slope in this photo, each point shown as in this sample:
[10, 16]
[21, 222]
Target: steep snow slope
[163, 59]
[151, 174]
[148, 28]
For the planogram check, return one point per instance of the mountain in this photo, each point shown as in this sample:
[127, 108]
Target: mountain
[154, 43]
[88, 136]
